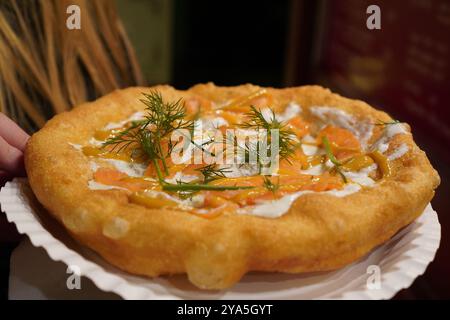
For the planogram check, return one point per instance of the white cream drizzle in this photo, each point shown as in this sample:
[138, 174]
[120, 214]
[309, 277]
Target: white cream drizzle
[315, 170]
[116, 125]
[291, 111]
[210, 123]
[399, 152]
[78, 147]
[131, 169]
[308, 139]
[237, 170]
[193, 202]
[206, 129]
[362, 177]
[267, 114]
[276, 208]
[94, 166]
[337, 117]
[196, 201]
[309, 150]
[390, 130]
[180, 177]
[96, 143]
[93, 185]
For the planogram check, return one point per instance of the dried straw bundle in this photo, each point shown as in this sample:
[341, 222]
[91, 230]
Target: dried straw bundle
[45, 68]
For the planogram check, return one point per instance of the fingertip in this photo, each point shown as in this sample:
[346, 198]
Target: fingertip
[11, 159]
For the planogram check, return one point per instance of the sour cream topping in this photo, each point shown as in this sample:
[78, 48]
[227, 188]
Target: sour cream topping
[134, 117]
[390, 130]
[276, 208]
[131, 169]
[291, 111]
[180, 177]
[93, 185]
[337, 117]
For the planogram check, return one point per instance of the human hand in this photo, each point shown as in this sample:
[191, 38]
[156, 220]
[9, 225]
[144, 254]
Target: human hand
[12, 146]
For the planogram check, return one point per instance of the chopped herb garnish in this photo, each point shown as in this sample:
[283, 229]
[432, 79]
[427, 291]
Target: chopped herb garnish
[211, 172]
[151, 133]
[256, 121]
[330, 155]
[269, 185]
[125, 138]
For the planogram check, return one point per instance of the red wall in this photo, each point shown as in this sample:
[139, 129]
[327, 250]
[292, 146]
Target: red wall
[403, 68]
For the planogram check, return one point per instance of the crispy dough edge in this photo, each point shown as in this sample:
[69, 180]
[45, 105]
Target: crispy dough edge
[320, 232]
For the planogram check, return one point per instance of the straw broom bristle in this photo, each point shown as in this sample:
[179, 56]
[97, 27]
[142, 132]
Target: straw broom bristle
[46, 68]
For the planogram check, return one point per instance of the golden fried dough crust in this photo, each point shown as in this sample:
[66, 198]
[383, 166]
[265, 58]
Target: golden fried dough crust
[320, 232]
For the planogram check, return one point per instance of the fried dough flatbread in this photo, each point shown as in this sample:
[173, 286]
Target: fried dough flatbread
[320, 231]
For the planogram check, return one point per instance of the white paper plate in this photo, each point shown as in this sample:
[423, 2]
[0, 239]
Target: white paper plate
[400, 261]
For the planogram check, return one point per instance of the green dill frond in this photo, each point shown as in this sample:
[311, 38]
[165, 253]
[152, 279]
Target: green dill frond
[256, 120]
[287, 142]
[160, 121]
[148, 135]
[269, 185]
[125, 138]
[146, 139]
[330, 155]
[211, 172]
[165, 116]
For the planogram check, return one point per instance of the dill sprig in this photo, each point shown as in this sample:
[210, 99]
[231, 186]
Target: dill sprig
[211, 172]
[202, 146]
[270, 186]
[165, 116]
[125, 138]
[256, 121]
[330, 155]
[161, 120]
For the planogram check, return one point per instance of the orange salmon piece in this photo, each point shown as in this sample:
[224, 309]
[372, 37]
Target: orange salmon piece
[299, 126]
[116, 178]
[296, 162]
[218, 206]
[343, 142]
[197, 104]
[231, 117]
[259, 99]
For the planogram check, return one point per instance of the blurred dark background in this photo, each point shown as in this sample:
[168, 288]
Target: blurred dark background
[402, 68]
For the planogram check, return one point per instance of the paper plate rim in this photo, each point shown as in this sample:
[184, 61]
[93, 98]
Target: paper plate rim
[19, 211]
